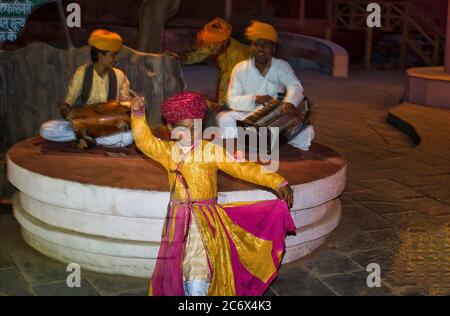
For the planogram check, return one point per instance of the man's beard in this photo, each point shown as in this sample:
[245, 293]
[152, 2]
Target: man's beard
[262, 60]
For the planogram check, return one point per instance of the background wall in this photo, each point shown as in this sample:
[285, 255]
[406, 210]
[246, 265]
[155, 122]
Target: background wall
[122, 16]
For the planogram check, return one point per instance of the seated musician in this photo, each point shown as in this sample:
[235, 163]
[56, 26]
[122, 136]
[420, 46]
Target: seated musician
[98, 82]
[258, 80]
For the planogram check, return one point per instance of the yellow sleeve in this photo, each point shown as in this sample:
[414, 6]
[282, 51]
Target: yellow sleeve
[249, 171]
[155, 148]
[224, 80]
[197, 56]
[236, 55]
[75, 86]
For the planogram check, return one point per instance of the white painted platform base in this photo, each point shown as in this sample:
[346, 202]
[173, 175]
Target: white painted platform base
[118, 231]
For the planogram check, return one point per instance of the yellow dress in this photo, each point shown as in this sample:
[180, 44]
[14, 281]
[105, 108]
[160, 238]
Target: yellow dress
[212, 224]
[233, 54]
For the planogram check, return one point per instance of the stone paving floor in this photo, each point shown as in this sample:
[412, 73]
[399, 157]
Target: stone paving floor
[396, 205]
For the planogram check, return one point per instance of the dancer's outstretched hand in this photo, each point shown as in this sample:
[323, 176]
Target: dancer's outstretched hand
[287, 194]
[137, 104]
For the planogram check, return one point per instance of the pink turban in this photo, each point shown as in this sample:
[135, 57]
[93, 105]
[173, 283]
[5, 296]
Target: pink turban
[184, 105]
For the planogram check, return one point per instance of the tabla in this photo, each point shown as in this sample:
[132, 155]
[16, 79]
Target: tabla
[101, 119]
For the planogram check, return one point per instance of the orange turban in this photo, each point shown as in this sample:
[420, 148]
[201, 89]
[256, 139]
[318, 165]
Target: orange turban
[218, 30]
[105, 40]
[258, 30]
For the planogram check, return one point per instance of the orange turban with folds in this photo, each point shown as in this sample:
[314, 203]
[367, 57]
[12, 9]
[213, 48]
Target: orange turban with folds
[259, 30]
[105, 40]
[218, 30]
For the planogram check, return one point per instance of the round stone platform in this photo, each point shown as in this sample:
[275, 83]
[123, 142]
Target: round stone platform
[105, 212]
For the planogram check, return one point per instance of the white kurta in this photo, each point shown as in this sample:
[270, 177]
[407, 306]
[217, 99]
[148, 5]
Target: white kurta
[247, 82]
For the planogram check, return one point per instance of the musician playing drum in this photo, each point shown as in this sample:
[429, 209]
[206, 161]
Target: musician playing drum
[98, 82]
[258, 80]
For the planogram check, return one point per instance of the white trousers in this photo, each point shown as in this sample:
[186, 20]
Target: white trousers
[61, 131]
[196, 288]
[226, 120]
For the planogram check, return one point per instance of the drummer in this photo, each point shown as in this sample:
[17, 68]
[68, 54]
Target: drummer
[97, 82]
[258, 80]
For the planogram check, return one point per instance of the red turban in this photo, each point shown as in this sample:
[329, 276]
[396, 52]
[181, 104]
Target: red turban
[184, 105]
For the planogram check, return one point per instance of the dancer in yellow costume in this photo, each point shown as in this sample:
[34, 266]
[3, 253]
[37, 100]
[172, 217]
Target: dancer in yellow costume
[207, 248]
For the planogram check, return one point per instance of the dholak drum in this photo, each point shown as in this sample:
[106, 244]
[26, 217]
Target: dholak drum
[101, 119]
[259, 123]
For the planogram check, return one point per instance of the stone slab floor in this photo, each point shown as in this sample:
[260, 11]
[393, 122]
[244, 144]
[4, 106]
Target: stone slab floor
[396, 205]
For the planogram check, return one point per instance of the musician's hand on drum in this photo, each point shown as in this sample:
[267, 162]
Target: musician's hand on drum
[287, 194]
[69, 116]
[65, 111]
[137, 104]
[263, 100]
[126, 101]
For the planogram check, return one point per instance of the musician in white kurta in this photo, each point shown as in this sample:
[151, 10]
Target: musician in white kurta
[257, 80]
